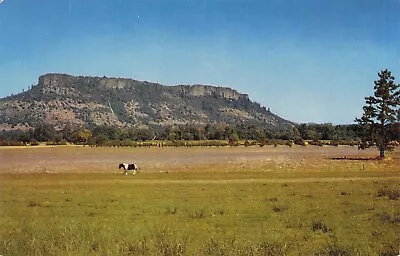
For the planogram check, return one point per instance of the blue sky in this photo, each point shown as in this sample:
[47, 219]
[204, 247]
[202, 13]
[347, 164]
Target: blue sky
[307, 60]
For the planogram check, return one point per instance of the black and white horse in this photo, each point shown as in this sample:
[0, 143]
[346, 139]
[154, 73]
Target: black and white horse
[129, 167]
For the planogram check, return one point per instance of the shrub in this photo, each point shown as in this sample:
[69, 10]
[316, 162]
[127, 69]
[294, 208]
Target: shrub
[175, 143]
[334, 250]
[279, 208]
[392, 194]
[135, 248]
[12, 143]
[112, 143]
[171, 210]
[335, 143]
[214, 247]
[149, 144]
[233, 143]
[289, 143]
[34, 203]
[169, 244]
[389, 253]
[272, 249]
[216, 143]
[232, 247]
[127, 143]
[3, 143]
[319, 226]
[34, 143]
[300, 141]
[390, 250]
[316, 143]
[390, 218]
[199, 213]
[263, 142]
[54, 143]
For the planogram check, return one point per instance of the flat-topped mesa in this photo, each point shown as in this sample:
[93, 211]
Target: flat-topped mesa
[198, 90]
[61, 99]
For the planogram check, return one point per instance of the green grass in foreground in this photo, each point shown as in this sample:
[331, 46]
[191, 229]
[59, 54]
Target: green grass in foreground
[108, 214]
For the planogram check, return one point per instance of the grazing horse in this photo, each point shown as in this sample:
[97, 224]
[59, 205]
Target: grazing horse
[129, 167]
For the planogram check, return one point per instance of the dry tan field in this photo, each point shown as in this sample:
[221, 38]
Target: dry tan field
[73, 159]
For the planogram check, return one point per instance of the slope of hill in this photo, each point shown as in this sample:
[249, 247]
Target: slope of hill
[61, 99]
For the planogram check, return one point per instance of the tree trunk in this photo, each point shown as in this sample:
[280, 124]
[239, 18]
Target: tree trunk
[382, 153]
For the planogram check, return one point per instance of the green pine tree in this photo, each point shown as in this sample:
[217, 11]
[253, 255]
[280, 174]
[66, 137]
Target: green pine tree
[381, 113]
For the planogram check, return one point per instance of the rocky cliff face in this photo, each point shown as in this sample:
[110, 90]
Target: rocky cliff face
[61, 99]
[55, 81]
[204, 91]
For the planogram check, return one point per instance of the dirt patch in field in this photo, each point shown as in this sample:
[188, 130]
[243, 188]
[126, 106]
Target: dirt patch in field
[74, 159]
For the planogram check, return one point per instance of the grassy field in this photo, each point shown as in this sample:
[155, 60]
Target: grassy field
[227, 201]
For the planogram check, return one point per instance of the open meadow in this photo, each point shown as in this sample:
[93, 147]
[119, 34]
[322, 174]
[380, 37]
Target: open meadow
[73, 200]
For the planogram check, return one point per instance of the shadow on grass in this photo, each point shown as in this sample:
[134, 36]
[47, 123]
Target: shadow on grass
[357, 158]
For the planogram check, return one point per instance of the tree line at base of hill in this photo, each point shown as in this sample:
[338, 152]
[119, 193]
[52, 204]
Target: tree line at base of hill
[315, 134]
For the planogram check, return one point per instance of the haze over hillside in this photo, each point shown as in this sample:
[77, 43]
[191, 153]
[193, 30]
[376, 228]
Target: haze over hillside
[61, 99]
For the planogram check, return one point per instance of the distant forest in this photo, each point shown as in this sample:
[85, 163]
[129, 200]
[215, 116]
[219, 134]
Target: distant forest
[178, 135]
